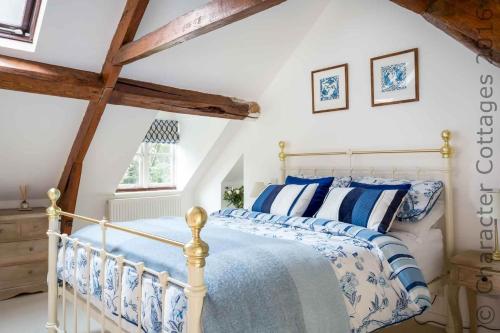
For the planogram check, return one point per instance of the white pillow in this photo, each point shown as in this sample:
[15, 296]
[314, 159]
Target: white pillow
[422, 227]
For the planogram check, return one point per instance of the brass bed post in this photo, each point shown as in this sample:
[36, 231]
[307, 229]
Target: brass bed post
[195, 251]
[454, 323]
[446, 153]
[53, 213]
[282, 156]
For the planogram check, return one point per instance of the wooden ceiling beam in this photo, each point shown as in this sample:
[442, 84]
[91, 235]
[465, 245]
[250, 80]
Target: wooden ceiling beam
[474, 23]
[157, 97]
[213, 15]
[34, 77]
[70, 178]
[16, 74]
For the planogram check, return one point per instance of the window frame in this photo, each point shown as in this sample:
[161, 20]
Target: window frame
[28, 25]
[144, 184]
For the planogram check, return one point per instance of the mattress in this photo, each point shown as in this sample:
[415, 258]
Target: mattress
[317, 274]
[428, 251]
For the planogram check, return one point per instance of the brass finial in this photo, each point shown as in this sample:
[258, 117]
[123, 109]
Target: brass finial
[282, 154]
[196, 250]
[54, 194]
[446, 150]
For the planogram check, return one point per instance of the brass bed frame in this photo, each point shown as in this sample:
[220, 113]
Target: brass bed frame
[438, 286]
[196, 250]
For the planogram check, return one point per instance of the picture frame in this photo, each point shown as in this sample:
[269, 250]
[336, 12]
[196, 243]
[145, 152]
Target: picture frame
[330, 89]
[395, 78]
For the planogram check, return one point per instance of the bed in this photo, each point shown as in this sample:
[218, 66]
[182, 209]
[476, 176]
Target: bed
[265, 272]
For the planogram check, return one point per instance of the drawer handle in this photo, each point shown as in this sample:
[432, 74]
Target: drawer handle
[484, 278]
[31, 249]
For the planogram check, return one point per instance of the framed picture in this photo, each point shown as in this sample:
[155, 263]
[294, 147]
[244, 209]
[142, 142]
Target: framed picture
[394, 78]
[330, 89]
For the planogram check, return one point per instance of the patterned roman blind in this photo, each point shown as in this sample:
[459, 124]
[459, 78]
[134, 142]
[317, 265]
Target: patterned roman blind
[163, 131]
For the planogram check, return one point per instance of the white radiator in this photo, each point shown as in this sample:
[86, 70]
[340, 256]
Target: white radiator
[127, 209]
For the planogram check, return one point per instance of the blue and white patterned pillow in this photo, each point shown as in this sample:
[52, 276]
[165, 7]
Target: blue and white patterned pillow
[421, 197]
[374, 209]
[341, 182]
[289, 200]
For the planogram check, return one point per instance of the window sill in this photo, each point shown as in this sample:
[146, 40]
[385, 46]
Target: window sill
[147, 189]
[146, 192]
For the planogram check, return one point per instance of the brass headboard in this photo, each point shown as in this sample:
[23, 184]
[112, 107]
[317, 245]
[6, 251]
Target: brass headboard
[445, 152]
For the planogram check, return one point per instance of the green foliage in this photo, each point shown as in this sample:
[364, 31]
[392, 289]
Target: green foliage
[132, 174]
[234, 195]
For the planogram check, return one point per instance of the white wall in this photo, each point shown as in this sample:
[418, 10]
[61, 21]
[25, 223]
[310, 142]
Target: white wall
[239, 60]
[36, 134]
[353, 32]
[197, 135]
[234, 178]
[118, 136]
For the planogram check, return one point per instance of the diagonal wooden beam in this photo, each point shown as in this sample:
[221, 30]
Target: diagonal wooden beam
[473, 23]
[215, 14]
[70, 178]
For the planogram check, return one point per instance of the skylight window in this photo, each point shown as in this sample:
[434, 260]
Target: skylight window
[18, 19]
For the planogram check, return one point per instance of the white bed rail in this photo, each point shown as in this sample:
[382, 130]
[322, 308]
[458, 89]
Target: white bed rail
[195, 252]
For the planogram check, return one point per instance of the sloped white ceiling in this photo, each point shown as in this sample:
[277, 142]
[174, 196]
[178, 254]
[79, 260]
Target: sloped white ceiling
[36, 132]
[75, 33]
[237, 60]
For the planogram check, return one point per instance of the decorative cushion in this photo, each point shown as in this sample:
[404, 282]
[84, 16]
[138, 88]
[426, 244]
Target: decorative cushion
[422, 195]
[374, 209]
[422, 228]
[341, 182]
[290, 200]
[405, 186]
[320, 194]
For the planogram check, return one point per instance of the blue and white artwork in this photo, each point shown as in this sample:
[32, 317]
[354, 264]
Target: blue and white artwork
[329, 88]
[393, 77]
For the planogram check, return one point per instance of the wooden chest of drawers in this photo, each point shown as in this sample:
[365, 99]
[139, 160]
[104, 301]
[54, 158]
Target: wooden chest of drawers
[23, 252]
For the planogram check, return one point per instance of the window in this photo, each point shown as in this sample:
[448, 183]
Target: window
[152, 168]
[18, 19]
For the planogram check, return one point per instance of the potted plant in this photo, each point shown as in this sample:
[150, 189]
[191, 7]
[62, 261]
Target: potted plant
[234, 195]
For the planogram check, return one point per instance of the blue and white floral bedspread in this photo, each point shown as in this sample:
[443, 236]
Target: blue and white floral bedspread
[372, 280]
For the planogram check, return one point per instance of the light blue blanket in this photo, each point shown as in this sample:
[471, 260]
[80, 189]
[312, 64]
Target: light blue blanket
[265, 273]
[255, 284]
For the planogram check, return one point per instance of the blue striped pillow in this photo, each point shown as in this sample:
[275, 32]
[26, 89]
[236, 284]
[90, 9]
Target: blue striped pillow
[320, 194]
[421, 197]
[287, 200]
[374, 209]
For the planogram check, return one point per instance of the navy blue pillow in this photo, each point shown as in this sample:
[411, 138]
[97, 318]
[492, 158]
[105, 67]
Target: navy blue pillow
[382, 186]
[320, 194]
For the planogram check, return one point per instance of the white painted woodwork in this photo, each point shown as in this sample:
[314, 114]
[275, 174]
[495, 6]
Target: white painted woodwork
[52, 273]
[128, 209]
[194, 288]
